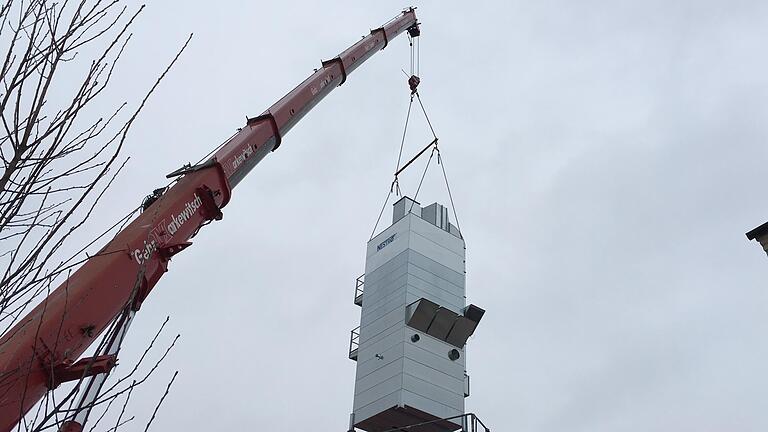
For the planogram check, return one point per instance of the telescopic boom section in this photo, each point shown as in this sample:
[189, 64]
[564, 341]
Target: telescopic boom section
[263, 133]
[42, 350]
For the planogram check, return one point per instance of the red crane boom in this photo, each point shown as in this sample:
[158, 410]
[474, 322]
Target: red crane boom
[41, 350]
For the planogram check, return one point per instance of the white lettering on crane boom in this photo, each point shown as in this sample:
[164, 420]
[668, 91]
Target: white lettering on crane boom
[239, 159]
[177, 221]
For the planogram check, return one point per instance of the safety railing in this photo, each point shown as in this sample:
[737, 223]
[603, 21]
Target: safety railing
[475, 424]
[469, 423]
[354, 343]
[359, 285]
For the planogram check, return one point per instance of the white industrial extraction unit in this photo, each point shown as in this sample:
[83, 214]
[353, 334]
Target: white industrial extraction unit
[414, 325]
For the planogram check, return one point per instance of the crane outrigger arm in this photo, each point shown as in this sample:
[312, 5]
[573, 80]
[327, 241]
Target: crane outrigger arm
[43, 349]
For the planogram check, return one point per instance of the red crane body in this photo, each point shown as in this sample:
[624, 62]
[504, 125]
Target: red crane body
[42, 349]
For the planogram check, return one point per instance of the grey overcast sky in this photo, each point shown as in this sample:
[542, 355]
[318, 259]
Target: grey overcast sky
[606, 159]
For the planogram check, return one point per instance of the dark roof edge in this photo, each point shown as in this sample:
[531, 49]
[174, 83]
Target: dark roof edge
[758, 232]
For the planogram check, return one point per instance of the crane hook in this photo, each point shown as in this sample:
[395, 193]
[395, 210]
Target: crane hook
[413, 82]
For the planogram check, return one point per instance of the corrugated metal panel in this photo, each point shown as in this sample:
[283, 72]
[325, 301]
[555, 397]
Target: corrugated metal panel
[379, 376]
[437, 280]
[434, 392]
[440, 235]
[428, 405]
[405, 205]
[438, 296]
[435, 358]
[419, 257]
[373, 328]
[383, 403]
[370, 363]
[386, 387]
[440, 378]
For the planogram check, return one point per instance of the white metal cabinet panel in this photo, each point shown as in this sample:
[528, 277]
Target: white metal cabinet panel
[373, 328]
[437, 235]
[386, 304]
[378, 376]
[384, 403]
[370, 363]
[440, 297]
[403, 207]
[393, 302]
[380, 390]
[434, 392]
[383, 343]
[373, 276]
[412, 259]
[444, 256]
[387, 245]
[387, 333]
[430, 374]
[434, 358]
[428, 405]
[438, 280]
[434, 284]
[453, 274]
[386, 279]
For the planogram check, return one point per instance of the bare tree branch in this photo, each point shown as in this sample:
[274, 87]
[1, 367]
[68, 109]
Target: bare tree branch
[57, 162]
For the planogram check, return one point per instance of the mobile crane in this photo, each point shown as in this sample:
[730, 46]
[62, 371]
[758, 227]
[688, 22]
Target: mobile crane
[43, 349]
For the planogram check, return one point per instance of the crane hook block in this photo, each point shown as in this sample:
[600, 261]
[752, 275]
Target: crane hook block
[413, 82]
[414, 30]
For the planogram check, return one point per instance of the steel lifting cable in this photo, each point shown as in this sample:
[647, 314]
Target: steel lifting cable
[395, 183]
[424, 174]
[450, 196]
[425, 115]
[395, 187]
[435, 150]
[415, 55]
[418, 57]
[440, 162]
[410, 42]
[413, 82]
[381, 213]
